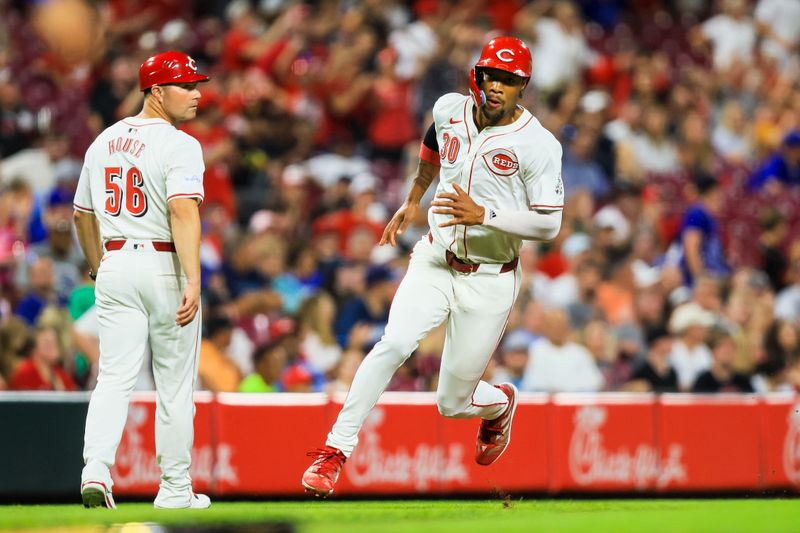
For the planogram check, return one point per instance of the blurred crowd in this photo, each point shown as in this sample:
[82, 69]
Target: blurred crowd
[677, 267]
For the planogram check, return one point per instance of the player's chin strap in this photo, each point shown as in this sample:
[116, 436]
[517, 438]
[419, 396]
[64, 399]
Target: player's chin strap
[478, 96]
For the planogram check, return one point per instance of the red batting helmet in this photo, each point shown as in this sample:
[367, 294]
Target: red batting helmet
[168, 67]
[503, 53]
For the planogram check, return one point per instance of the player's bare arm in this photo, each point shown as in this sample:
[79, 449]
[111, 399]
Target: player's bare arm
[89, 238]
[460, 206]
[185, 221]
[426, 173]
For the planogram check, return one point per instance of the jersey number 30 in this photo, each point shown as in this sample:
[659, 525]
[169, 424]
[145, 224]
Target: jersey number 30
[450, 148]
[130, 191]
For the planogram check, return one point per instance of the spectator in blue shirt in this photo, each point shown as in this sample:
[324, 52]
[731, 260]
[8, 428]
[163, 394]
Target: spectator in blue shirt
[41, 291]
[580, 171]
[700, 235]
[370, 308]
[781, 169]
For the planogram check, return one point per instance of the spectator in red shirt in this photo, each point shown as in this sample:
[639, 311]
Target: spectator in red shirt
[13, 339]
[129, 18]
[240, 45]
[393, 124]
[365, 213]
[42, 369]
[218, 153]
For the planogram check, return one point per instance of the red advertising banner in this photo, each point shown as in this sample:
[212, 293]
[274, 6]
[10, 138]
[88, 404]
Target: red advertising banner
[262, 440]
[524, 465]
[780, 427]
[400, 449]
[608, 443]
[251, 444]
[718, 438]
[136, 471]
[407, 447]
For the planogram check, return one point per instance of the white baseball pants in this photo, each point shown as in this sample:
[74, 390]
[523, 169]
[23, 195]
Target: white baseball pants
[476, 307]
[137, 294]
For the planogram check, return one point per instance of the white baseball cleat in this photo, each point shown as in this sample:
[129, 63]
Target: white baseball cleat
[197, 501]
[96, 494]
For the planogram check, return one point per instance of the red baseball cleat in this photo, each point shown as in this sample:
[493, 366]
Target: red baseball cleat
[321, 476]
[494, 435]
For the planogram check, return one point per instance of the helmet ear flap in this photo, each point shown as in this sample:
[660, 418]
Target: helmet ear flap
[478, 95]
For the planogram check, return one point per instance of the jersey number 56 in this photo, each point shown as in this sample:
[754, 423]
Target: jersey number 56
[130, 191]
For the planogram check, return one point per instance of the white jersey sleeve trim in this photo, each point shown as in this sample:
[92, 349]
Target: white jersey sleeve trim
[546, 207]
[185, 195]
[185, 173]
[82, 209]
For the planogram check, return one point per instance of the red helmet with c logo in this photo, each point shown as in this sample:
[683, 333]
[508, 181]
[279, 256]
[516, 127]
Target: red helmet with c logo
[507, 53]
[503, 53]
[168, 67]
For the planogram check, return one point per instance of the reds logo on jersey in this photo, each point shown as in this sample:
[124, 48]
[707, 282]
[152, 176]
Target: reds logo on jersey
[501, 162]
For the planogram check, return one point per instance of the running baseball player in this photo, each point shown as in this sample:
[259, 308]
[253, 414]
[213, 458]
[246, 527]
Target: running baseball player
[499, 183]
[137, 218]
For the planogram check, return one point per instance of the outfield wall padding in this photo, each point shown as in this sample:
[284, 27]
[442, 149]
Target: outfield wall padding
[256, 444]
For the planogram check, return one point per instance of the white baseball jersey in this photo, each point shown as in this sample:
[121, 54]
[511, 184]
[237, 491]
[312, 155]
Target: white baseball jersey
[132, 170]
[515, 167]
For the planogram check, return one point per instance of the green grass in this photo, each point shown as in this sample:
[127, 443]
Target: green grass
[729, 515]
